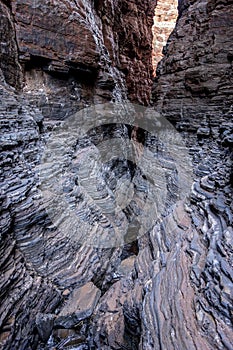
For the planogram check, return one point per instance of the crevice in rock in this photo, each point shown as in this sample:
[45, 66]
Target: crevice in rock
[165, 16]
[171, 287]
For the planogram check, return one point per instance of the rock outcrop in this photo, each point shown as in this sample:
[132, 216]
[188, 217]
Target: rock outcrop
[9, 52]
[99, 48]
[193, 89]
[170, 288]
[166, 13]
[23, 292]
[57, 58]
[195, 77]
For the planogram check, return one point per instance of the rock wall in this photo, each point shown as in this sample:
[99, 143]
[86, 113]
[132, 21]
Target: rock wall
[172, 287]
[195, 78]
[166, 13]
[9, 52]
[56, 58]
[100, 48]
[193, 89]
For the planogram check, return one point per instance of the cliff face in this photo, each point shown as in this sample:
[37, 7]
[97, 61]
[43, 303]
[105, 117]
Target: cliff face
[170, 288]
[9, 52]
[193, 89]
[57, 57]
[164, 22]
[195, 78]
[98, 48]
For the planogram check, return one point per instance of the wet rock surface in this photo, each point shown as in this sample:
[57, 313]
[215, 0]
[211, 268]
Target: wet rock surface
[172, 287]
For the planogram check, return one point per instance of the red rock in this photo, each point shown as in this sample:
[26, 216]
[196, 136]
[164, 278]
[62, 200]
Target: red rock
[165, 17]
[58, 32]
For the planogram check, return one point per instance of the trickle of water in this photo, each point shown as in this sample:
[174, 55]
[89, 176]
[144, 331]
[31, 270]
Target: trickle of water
[94, 23]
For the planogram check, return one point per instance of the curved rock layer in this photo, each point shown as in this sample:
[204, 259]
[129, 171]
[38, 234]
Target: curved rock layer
[170, 288]
[193, 89]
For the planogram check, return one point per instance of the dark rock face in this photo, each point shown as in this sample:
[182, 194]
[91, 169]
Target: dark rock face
[9, 52]
[172, 287]
[101, 50]
[56, 58]
[129, 50]
[193, 89]
[55, 35]
[23, 292]
[195, 78]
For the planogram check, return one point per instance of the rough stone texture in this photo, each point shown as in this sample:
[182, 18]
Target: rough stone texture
[195, 78]
[170, 289]
[193, 89]
[128, 38]
[8, 48]
[165, 17]
[44, 325]
[56, 52]
[56, 34]
[23, 291]
[101, 49]
[80, 306]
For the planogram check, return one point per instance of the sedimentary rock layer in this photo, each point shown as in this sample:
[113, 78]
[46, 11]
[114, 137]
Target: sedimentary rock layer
[166, 13]
[9, 51]
[195, 77]
[193, 89]
[169, 288]
[57, 58]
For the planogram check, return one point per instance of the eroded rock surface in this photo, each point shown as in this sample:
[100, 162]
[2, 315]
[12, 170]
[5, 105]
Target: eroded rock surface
[172, 287]
[23, 292]
[9, 52]
[80, 306]
[60, 57]
[166, 13]
[195, 78]
[191, 91]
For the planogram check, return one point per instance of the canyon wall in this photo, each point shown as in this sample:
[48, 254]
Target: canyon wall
[56, 58]
[170, 288]
[193, 89]
[95, 46]
[166, 13]
[195, 78]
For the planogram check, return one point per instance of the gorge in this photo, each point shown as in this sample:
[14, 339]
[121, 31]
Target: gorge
[171, 286]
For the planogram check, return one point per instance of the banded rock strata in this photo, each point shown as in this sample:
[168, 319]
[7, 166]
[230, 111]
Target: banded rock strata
[166, 13]
[172, 287]
[195, 77]
[193, 89]
[46, 75]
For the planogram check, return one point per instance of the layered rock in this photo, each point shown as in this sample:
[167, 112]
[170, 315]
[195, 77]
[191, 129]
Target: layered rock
[8, 49]
[56, 58]
[164, 22]
[190, 290]
[23, 292]
[195, 78]
[171, 288]
[101, 50]
[129, 50]
[193, 89]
